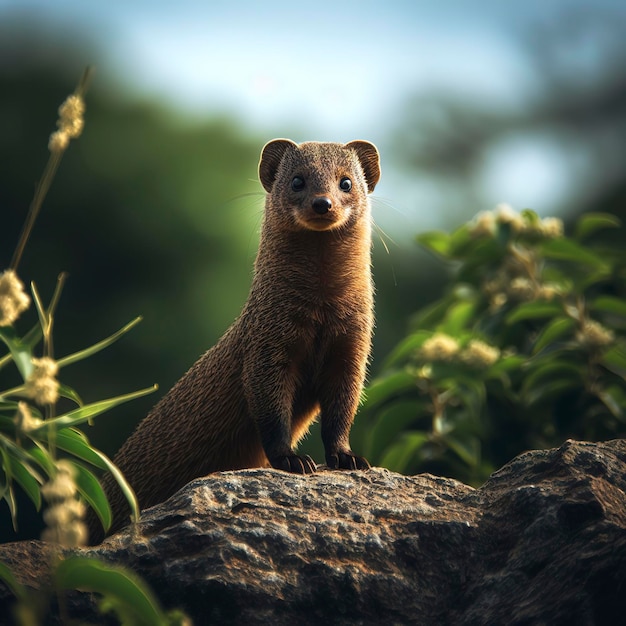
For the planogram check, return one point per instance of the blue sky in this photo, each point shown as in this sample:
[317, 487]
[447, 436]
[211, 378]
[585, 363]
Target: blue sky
[340, 65]
[328, 70]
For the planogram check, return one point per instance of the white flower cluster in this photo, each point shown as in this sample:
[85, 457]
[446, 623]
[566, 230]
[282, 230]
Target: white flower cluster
[41, 385]
[504, 288]
[593, 335]
[64, 515]
[24, 419]
[443, 348]
[519, 280]
[485, 224]
[13, 299]
[70, 123]
[479, 354]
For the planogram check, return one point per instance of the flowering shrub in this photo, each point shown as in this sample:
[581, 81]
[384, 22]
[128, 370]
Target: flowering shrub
[524, 350]
[46, 454]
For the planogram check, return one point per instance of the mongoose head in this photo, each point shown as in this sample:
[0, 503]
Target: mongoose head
[318, 186]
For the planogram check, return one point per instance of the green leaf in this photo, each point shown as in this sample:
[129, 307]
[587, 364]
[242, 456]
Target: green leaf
[21, 352]
[472, 391]
[556, 329]
[127, 490]
[390, 422]
[402, 452]
[28, 342]
[76, 443]
[564, 249]
[8, 493]
[8, 409]
[383, 389]
[614, 359]
[609, 304]
[467, 449]
[406, 348]
[93, 575]
[533, 310]
[86, 412]
[91, 490]
[430, 316]
[592, 222]
[543, 393]
[435, 241]
[42, 456]
[70, 394]
[504, 365]
[458, 318]
[45, 320]
[28, 479]
[591, 279]
[101, 345]
[553, 369]
[531, 217]
[18, 590]
[611, 402]
[485, 254]
[461, 241]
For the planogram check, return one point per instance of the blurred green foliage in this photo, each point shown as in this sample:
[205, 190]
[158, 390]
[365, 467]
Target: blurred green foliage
[119, 592]
[526, 349]
[30, 446]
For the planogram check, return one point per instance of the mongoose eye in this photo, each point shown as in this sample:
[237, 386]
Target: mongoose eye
[345, 184]
[297, 184]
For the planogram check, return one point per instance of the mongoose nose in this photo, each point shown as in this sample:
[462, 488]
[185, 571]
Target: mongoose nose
[322, 205]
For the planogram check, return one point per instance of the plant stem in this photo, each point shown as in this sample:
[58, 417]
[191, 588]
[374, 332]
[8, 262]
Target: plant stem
[44, 184]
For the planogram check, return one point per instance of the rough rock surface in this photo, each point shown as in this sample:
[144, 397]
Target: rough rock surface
[542, 542]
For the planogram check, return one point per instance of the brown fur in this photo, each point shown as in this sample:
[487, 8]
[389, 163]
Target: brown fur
[299, 348]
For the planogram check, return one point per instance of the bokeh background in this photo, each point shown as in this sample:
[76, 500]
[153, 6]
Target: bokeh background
[156, 209]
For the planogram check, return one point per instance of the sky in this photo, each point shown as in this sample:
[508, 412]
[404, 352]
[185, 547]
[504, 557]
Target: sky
[338, 65]
[328, 70]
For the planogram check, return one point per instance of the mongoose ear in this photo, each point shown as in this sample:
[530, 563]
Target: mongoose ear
[271, 156]
[370, 161]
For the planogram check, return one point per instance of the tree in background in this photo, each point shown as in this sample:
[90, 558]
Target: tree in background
[575, 107]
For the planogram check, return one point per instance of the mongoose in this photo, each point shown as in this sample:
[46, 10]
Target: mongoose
[299, 348]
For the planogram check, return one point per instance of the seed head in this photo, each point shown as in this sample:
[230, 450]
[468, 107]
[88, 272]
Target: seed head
[521, 288]
[480, 354]
[24, 419]
[72, 109]
[549, 291]
[593, 335]
[65, 513]
[483, 225]
[439, 347]
[552, 227]
[70, 123]
[59, 140]
[506, 214]
[41, 385]
[71, 535]
[13, 299]
[497, 301]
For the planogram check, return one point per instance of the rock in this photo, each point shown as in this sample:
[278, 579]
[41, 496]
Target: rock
[542, 542]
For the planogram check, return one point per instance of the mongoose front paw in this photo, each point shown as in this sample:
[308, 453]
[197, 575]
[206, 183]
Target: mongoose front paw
[294, 464]
[347, 460]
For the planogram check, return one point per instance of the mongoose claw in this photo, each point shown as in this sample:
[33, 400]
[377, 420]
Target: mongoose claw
[294, 464]
[347, 460]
